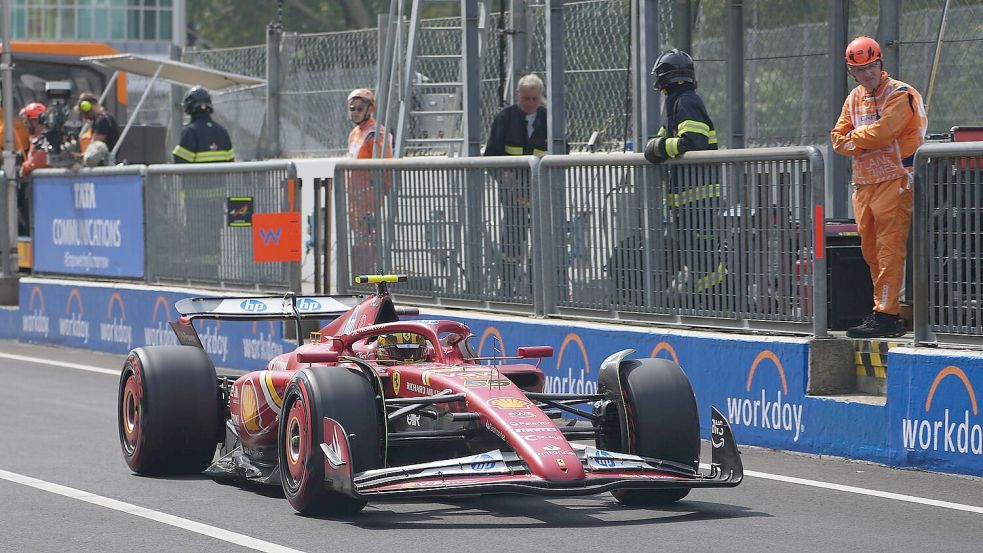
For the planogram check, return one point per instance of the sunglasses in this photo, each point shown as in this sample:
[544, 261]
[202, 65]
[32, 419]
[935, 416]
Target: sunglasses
[355, 109]
[870, 66]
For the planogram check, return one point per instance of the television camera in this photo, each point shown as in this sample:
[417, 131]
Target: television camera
[60, 139]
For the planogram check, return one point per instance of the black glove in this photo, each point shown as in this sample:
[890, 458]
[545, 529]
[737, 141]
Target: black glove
[655, 150]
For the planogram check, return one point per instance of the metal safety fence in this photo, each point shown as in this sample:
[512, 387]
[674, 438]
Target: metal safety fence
[947, 243]
[721, 239]
[190, 238]
[460, 228]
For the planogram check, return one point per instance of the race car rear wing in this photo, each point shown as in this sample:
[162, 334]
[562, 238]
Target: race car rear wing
[261, 308]
[258, 308]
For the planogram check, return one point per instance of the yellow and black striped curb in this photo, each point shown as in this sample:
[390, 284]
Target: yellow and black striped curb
[871, 357]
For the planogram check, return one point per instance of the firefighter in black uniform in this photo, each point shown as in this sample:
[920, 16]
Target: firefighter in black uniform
[687, 127]
[202, 139]
[519, 129]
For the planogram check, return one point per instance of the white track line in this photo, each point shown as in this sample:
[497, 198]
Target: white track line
[65, 364]
[157, 516]
[754, 474]
[865, 491]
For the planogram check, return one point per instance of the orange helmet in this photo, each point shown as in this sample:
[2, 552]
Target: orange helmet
[862, 50]
[33, 111]
[363, 93]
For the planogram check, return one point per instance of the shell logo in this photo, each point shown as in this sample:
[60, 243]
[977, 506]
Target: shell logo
[509, 403]
[249, 408]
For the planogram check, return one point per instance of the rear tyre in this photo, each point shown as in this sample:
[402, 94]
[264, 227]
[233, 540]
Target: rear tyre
[168, 410]
[345, 395]
[663, 422]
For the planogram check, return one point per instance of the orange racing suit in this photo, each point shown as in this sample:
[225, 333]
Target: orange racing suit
[880, 131]
[363, 204]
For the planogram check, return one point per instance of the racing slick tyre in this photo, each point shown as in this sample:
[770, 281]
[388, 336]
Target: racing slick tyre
[345, 395]
[663, 422]
[168, 410]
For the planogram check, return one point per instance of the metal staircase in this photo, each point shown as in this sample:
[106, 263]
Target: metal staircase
[439, 106]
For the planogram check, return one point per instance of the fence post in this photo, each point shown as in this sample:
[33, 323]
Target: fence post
[556, 62]
[838, 191]
[820, 326]
[342, 270]
[518, 47]
[648, 100]
[735, 72]
[889, 35]
[271, 141]
[471, 77]
[544, 221]
[921, 324]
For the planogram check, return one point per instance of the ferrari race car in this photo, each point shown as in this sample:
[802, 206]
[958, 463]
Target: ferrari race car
[374, 406]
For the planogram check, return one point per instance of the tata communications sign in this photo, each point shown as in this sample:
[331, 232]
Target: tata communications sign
[89, 225]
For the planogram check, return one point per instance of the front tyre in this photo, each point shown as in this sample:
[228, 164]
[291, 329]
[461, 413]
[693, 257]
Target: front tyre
[345, 395]
[662, 420]
[168, 410]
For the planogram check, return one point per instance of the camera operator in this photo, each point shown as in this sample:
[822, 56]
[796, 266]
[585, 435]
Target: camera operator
[34, 115]
[56, 145]
[100, 133]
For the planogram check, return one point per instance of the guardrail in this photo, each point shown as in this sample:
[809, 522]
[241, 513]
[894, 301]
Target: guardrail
[162, 224]
[722, 239]
[457, 226]
[947, 243]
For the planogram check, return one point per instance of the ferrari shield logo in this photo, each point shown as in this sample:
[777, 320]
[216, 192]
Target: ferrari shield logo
[395, 382]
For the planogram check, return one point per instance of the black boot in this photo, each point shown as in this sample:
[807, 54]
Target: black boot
[878, 325]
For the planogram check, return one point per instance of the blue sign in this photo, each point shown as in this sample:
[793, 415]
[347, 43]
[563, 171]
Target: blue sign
[89, 225]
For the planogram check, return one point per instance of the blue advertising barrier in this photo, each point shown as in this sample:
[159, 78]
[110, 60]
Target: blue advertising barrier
[931, 419]
[934, 417]
[115, 319]
[89, 224]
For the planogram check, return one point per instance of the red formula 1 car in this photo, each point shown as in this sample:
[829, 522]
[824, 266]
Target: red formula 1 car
[375, 406]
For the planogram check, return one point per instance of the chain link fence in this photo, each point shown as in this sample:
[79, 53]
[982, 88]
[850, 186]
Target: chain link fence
[786, 71]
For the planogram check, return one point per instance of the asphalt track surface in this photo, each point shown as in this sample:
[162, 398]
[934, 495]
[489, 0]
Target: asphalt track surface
[65, 487]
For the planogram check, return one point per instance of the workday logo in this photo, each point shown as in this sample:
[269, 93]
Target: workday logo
[159, 333]
[574, 370]
[261, 345]
[946, 428]
[765, 411]
[72, 325]
[665, 347]
[35, 321]
[498, 344]
[116, 331]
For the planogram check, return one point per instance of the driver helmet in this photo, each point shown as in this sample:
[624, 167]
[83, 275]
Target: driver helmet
[402, 347]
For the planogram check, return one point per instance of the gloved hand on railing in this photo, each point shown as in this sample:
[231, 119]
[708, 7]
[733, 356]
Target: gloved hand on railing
[655, 150]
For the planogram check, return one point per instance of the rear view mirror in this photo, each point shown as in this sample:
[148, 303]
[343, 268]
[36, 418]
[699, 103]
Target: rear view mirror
[535, 352]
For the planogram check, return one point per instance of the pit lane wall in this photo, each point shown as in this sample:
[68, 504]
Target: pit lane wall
[931, 419]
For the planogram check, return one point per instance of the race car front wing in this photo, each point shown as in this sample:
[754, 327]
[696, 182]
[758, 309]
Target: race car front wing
[505, 472]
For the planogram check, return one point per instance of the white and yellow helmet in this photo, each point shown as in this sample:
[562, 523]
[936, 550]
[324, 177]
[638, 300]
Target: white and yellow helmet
[402, 347]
